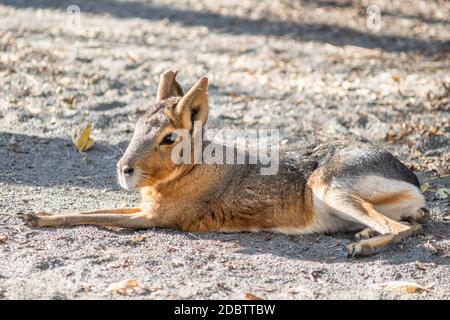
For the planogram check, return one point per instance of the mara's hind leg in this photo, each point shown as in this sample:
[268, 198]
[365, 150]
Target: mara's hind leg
[353, 208]
[398, 200]
[420, 216]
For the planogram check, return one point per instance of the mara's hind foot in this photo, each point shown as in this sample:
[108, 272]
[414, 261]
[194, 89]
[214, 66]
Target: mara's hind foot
[372, 246]
[420, 216]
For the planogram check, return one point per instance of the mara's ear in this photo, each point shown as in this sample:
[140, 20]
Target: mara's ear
[194, 105]
[168, 86]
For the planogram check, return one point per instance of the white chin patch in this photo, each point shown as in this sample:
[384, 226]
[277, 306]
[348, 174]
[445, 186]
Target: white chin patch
[128, 183]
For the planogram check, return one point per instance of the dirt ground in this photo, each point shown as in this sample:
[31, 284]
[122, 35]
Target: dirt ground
[315, 70]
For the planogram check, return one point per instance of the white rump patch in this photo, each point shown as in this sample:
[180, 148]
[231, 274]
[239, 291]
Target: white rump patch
[377, 187]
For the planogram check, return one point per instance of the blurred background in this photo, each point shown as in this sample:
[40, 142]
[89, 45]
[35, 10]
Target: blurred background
[316, 70]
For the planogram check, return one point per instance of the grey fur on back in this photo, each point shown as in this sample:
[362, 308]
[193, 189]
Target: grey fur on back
[351, 159]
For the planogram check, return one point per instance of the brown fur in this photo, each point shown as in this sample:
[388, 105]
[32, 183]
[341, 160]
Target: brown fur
[313, 190]
[390, 198]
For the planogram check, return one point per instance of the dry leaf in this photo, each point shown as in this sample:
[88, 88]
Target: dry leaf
[396, 78]
[70, 100]
[132, 56]
[138, 239]
[447, 218]
[424, 187]
[126, 263]
[82, 139]
[446, 254]
[298, 290]
[249, 296]
[442, 193]
[3, 239]
[432, 247]
[84, 177]
[124, 287]
[404, 287]
[422, 266]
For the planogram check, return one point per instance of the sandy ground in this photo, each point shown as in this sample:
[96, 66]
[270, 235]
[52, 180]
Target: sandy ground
[312, 69]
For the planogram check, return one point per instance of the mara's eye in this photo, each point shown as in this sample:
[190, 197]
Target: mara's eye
[168, 139]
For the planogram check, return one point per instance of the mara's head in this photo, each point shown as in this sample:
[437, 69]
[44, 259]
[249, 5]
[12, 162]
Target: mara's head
[148, 160]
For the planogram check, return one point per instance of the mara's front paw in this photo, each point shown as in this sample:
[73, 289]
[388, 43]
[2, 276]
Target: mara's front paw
[33, 219]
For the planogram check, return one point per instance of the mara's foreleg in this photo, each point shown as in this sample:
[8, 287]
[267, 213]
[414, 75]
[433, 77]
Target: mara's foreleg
[115, 211]
[353, 208]
[137, 220]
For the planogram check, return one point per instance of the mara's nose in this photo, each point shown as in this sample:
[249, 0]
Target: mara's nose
[128, 171]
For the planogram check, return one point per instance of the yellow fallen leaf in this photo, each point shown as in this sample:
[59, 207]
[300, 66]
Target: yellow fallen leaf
[424, 187]
[447, 218]
[396, 78]
[124, 287]
[249, 296]
[405, 287]
[82, 139]
[138, 239]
